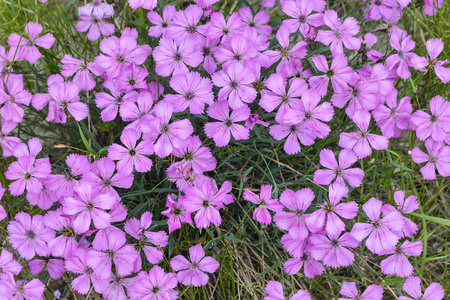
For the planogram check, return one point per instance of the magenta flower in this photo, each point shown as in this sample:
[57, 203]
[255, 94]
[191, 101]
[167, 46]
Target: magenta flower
[10, 289]
[397, 263]
[264, 202]
[98, 8]
[380, 230]
[328, 214]
[28, 172]
[341, 171]
[29, 235]
[161, 24]
[154, 285]
[172, 58]
[403, 206]
[193, 91]
[77, 263]
[311, 268]
[55, 267]
[121, 52]
[206, 200]
[184, 26]
[221, 131]
[438, 157]
[381, 9]
[207, 48]
[339, 73]
[132, 155]
[29, 51]
[122, 254]
[373, 292]
[258, 22]
[219, 28]
[236, 85]
[65, 95]
[434, 124]
[274, 291]
[360, 142]
[88, 205]
[296, 134]
[193, 272]
[2, 210]
[171, 136]
[434, 48]
[65, 244]
[303, 18]
[294, 220]
[311, 113]
[394, 118]
[278, 96]
[176, 212]
[12, 97]
[96, 26]
[430, 7]
[138, 109]
[45, 198]
[400, 62]
[83, 76]
[332, 249]
[237, 49]
[341, 33]
[370, 40]
[8, 264]
[8, 143]
[296, 247]
[147, 4]
[112, 103]
[132, 78]
[412, 287]
[254, 119]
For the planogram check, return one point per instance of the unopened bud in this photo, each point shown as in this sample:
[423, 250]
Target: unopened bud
[216, 250]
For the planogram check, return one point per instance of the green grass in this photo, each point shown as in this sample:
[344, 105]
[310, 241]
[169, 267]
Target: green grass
[250, 253]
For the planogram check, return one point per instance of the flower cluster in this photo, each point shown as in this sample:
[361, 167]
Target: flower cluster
[227, 78]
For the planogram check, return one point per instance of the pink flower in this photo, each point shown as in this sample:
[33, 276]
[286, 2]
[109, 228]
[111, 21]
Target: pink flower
[380, 229]
[171, 136]
[138, 109]
[29, 51]
[132, 155]
[401, 61]
[434, 48]
[77, 263]
[98, 8]
[193, 272]
[65, 95]
[28, 172]
[257, 22]
[303, 18]
[296, 134]
[311, 267]
[341, 170]
[339, 73]
[274, 291]
[8, 143]
[132, 78]
[341, 33]
[221, 131]
[65, 244]
[237, 49]
[176, 212]
[172, 58]
[219, 28]
[412, 287]
[332, 249]
[154, 285]
[430, 7]
[83, 76]
[254, 119]
[96, 26]
[403, 206]
[207, 48]
[277, 96]
[55, 267]
[29, 235]
[32, 290]
[330, 211]
[381, 9]
[193, 93]
[370, 40]
[361, 142]
[236, 85]
[161, 24]
[88, 205]
[398, 264]
[394, 118]
[12, 97]
[264, 202]
[112, 103]
[434, 124]
[147, 4]
[8, 264]
[373, 292]
[184, 26]
[438, 157]
[206, 200]
[294, 220]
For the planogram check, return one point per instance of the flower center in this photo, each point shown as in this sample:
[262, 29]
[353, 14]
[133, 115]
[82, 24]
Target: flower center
[189, 96]
[177, 56]
[205, 203]
[176, 211]
[27, 175]
[31, 234]
[132, 152]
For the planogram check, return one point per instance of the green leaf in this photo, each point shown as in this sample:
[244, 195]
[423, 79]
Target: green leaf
[85, 142]
[433, 219]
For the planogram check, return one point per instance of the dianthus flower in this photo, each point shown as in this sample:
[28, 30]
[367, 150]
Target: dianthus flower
[394, 118]
[154, 285]
[55, 267]
[373, 292]
[296, 134]
[257, 22]
[264, 202]
[274, 291]
[370, 40]
[400, 62]
[83, 76]
[341, 171]
[10, 289]
[161, 24]
[65, 244]
[303, 18]
[397, 263]
[184, 26]
[97, 8]
[29, 51]
[176, 212]
[96, 26]
[29, 235]
[8, 264]
[147, 4]
[207, 48]
[193, 272]
[27, 171]
[12, 97]
[332, 249]
[380, 230]
[221, 131]
[8, 143]
[237, 49]
[438, 157]
[310, 266]
[112, 103]
[412, 287]
[132, 78]
[403, 206]
[381, 9]
[434, 48]
[219, 28]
